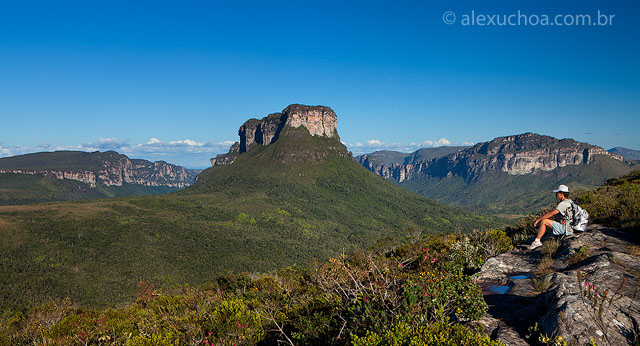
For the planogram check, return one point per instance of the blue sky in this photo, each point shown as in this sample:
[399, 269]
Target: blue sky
[174, 80]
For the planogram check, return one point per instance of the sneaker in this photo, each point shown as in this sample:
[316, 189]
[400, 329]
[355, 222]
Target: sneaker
[536, 244]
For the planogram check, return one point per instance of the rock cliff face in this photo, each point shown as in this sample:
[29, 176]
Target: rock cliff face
[108, 168]
[396, 171]
[523, 154]
[318, 120]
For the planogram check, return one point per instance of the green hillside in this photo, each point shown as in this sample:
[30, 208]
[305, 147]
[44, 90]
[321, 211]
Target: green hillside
[300, 198]
[616, 203]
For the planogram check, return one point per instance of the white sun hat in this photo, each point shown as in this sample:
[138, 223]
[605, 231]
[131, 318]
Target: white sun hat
[562, 188]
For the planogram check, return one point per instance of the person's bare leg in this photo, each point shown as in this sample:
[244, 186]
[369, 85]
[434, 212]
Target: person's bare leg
[543, 227]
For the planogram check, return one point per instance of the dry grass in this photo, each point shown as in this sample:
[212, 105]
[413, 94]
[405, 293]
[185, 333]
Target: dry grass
[5, 225]
[541, 284]
[634, 250]
[550, 247]
[545, 266]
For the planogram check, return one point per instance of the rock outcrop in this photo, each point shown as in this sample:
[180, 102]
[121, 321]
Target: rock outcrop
[523, 154]
[628, 154]
[107, 168]
[396, 171]
[607, 267]
[318, 120]
[228, 158]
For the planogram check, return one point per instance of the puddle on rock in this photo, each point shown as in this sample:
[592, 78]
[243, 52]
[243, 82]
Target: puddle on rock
[500, 289]
[521, 276]
[504, 289]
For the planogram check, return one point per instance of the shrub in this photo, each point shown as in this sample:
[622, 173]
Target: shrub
[492, 242]
[616, 203]
[465, 256]
[434, 334]
[436, 296]
[371, 289]
[233, 323]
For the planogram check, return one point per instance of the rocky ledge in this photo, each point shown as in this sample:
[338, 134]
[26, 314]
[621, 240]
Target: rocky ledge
[610, 267]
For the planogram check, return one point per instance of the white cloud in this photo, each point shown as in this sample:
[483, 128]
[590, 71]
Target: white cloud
[188, 142]
[442, 141]
[187, 152]
[376, 144]
[12, 150]
[106, 144]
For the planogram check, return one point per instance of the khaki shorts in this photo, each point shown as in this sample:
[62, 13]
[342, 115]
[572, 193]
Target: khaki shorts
[560, 229]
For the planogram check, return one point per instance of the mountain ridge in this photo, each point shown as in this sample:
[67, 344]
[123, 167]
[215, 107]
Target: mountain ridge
[79, 175]
[397, 165]
[509, 174]
[629, 154]
[108, 168]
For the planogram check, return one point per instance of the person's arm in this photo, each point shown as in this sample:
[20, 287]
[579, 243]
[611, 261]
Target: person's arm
[546, 216]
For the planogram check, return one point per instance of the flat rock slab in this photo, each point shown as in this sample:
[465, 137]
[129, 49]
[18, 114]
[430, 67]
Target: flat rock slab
[563, 310]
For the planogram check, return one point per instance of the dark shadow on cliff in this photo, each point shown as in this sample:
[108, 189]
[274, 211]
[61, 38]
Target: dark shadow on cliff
[514, 310]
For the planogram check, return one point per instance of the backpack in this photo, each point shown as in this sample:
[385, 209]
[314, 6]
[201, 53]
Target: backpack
[580, 218]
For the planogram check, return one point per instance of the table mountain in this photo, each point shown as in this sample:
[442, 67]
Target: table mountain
[318, 120]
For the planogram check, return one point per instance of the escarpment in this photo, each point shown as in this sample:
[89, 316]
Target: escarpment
[317, 120]
[106, 168]
[528, 153]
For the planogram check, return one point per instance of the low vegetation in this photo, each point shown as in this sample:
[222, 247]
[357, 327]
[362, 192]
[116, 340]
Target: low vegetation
[419, 294]
[616, 203]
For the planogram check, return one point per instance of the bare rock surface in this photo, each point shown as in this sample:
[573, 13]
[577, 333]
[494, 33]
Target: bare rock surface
[607, 266]
[318, 120]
